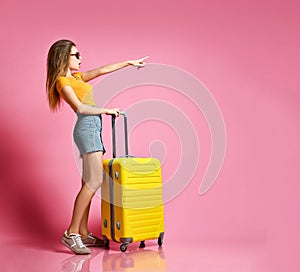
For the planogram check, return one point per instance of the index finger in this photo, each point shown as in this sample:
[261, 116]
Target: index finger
[144, 58]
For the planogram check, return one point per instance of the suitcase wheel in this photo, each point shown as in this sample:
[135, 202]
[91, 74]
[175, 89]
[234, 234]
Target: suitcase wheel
[160, 240]
[123, 247]
[142, 244]
[106, 242]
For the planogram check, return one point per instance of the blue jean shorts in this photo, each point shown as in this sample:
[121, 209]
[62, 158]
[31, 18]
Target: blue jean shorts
[87, 134]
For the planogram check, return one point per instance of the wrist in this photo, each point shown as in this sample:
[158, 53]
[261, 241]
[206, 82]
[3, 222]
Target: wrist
[103, 110]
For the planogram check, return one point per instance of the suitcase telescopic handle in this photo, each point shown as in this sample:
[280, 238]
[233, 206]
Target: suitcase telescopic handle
[113, 122]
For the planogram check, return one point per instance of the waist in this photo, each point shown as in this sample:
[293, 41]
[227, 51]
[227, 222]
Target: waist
[82, 116]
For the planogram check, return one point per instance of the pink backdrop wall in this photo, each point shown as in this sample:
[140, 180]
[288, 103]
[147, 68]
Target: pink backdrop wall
[245, 52]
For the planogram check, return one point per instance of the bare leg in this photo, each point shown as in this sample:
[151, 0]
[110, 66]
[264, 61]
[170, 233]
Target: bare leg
[92, 177]
[81, 203]
[83, 228]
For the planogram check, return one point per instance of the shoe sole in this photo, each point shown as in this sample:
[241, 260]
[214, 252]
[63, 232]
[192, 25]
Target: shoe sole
[93, 245]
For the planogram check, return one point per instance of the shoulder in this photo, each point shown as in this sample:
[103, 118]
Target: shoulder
[62, 79]
[62, 82]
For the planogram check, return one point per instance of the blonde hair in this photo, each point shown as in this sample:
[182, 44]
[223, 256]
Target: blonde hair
[57, 65]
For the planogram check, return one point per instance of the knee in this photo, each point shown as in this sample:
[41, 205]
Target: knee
[94, 182]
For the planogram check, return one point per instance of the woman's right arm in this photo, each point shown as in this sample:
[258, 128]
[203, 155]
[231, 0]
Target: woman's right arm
[71, 98]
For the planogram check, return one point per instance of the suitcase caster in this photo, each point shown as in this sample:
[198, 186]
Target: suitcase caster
[142, 244]
[106, 242]
[123, 247]
[160, 239]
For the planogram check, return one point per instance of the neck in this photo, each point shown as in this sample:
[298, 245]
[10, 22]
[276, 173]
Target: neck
[69, 74]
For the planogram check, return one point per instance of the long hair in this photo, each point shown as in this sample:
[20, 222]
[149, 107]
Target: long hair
[57, 65]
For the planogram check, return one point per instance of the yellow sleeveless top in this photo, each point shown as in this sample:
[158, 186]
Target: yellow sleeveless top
[82, 89]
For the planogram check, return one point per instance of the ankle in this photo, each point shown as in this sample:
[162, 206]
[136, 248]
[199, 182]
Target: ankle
[84, 234]
[70, 230]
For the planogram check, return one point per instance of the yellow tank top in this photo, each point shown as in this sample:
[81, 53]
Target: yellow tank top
[82, 89]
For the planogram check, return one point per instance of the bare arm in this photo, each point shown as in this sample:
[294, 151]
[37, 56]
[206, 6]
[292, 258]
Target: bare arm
[89, 75]
[71, 98]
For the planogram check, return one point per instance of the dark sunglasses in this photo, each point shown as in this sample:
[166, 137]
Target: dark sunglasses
[77, 55]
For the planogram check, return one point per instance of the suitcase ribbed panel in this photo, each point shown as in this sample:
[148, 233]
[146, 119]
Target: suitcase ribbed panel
[149, 168]
[145, 226]
[141, 183]
[142, 198]
[136, 196]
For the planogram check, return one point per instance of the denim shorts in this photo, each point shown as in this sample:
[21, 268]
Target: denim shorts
[87, 134]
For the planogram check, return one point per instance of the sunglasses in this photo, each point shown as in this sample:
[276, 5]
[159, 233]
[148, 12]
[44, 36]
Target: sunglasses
[77, 55]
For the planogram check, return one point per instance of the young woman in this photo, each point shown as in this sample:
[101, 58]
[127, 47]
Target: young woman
[64, 82]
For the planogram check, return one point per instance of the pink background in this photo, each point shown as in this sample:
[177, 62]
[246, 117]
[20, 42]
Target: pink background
[245, 52]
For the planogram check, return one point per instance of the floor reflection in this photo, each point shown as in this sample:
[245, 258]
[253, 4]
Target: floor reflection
[78, 263]
[174, 256]
[136, 260]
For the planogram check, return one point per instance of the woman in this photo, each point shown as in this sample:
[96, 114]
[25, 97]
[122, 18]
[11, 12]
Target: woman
[64, 82]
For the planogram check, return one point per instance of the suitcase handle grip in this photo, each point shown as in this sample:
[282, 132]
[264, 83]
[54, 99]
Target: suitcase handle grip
[113, 122]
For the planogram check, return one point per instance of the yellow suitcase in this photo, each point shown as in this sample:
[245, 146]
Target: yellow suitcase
[132, 205]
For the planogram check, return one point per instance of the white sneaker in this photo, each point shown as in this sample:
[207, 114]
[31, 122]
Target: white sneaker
[73, 241]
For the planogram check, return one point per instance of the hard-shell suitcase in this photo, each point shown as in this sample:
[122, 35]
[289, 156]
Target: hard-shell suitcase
[132, 206]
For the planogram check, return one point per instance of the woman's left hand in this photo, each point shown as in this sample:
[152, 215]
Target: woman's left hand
[139, 62]
[115, 112]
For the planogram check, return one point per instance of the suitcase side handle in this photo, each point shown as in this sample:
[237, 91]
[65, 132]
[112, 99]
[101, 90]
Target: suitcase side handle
[113, 122]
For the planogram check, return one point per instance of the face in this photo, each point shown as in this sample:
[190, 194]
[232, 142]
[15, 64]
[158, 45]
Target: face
[75, 59]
